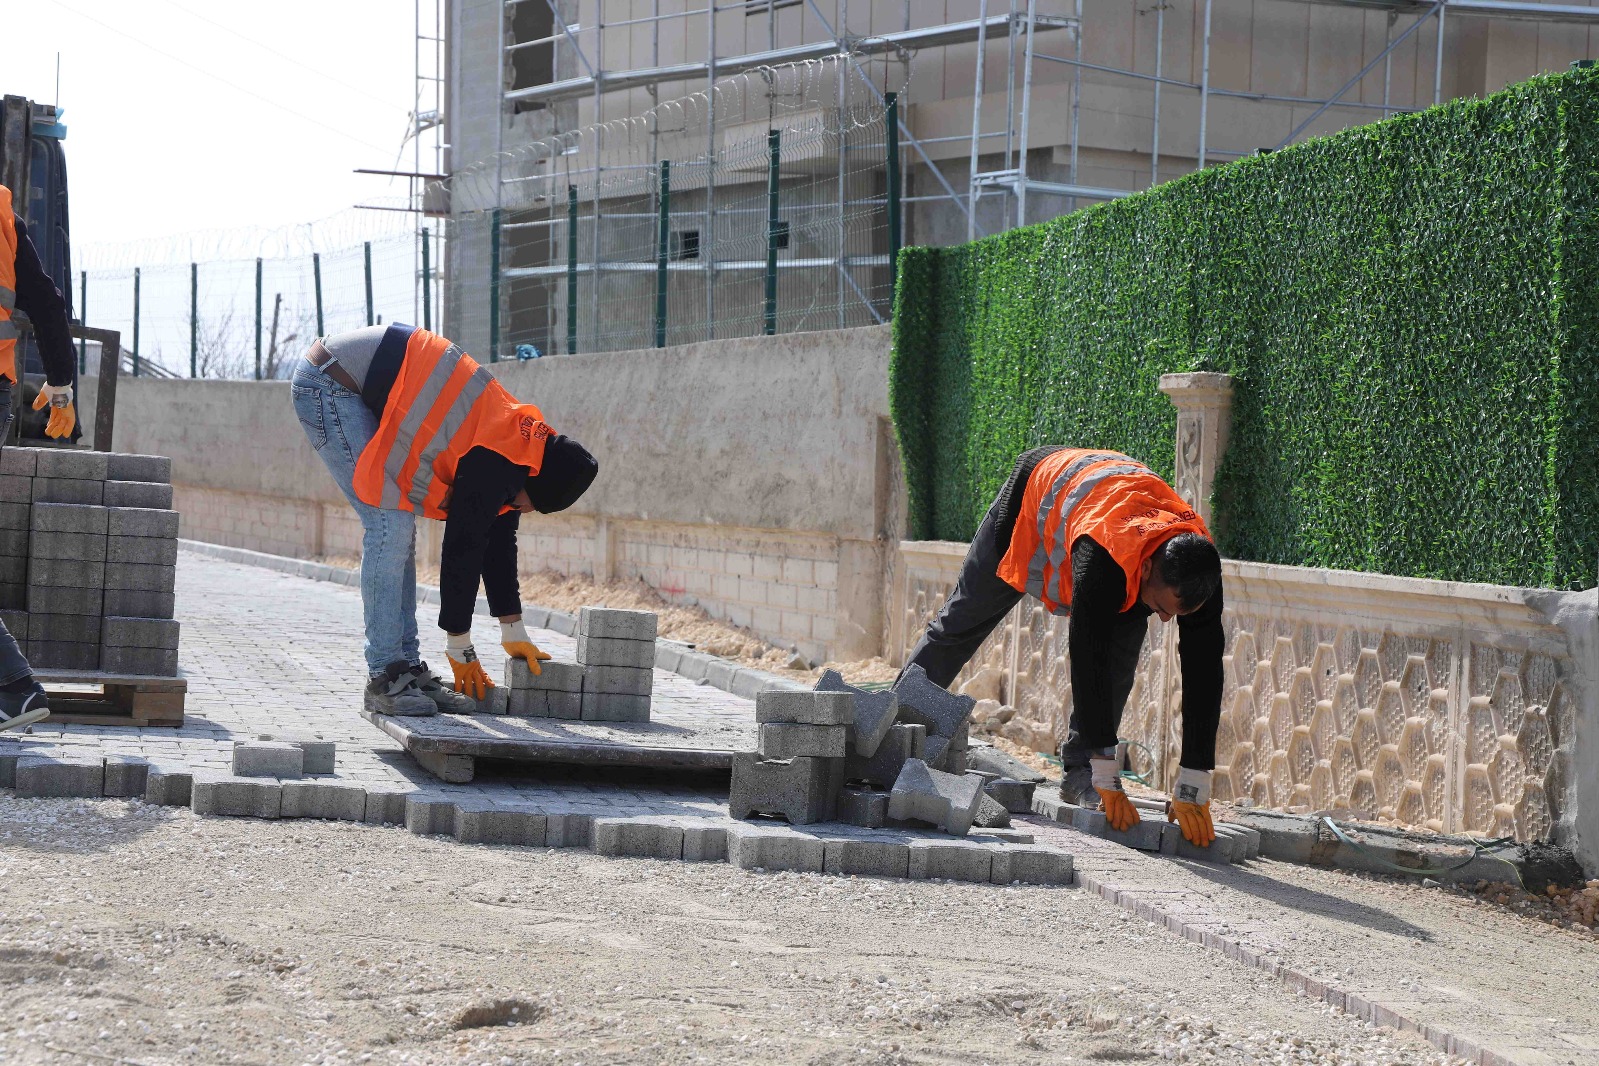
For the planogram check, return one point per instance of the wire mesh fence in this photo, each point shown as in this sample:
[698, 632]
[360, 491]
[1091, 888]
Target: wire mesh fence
[766, 204]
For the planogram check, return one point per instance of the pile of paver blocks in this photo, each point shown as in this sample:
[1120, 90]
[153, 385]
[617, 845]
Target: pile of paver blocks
[610, 682]
[88, 559]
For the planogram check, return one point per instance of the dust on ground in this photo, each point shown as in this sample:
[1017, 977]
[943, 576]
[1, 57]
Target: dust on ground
[147, 935]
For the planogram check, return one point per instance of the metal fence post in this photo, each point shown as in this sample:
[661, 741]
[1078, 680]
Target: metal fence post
[494, 287]
[258, 319]
[135, 321]
[194, 320]
[316, 278]
[83, 316]
[892, 121]
[774, 144]
[427, 284]
[663, 253]
[571, 270]
[367, 250]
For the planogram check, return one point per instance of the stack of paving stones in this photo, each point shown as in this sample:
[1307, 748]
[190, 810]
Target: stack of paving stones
[610, 682]
[797, 770]
[88, 559]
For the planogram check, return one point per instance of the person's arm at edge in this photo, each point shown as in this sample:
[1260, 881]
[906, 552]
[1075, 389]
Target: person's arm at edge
[1200, 643]
[1098, 589]
[40, 299]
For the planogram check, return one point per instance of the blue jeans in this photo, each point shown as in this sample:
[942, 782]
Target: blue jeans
[339, 426]
[13, 664]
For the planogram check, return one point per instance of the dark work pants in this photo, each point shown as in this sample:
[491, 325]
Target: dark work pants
[981, 601]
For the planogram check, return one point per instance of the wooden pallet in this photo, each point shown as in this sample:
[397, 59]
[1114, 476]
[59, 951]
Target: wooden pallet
[95, 697]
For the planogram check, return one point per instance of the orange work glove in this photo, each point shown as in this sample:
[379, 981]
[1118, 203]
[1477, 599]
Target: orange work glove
[1190, 807]
[63, 417]
[1119, 810]
[517, 644]
[470, 677]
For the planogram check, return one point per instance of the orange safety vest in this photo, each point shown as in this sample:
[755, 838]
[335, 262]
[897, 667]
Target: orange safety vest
[441, 406]
[8, 287]
[1082, 492]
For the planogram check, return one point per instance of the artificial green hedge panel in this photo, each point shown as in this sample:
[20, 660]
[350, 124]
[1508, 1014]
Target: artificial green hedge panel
[1410, 311]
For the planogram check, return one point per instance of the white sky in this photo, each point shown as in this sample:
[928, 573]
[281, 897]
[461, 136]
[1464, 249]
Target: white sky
[188, 115]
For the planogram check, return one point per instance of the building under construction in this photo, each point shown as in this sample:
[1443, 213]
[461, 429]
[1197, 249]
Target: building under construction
[629, 173]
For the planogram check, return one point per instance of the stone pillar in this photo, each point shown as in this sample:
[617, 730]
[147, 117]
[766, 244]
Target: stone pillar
[1204, 403]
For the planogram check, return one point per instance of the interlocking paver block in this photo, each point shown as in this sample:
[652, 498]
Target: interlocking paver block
[58, 599]
[704, 841]
[866, 857]
[385, 804]
[87, 546]
[156, 662]
[779, 740]
[125, 466]
[16, 488]
[615, 707]
[624, 680]
[64, 654]
[137, 494]
[945, 800]
[864, 807]
[324, 799]
[79, 463]
[752, 846]
[1224, 849]
[552, 676]
[60, 775]
[123, 632]
[568, 829]
[882, 768]
[125, 775]
[1031, 864]
[641, 837]
[991, 814]
[875, 712]
[16, 623]
[167, 787]
[482, 822]
[142, 522]
[544, 703]
[805, 707]
[638, 654]
[429, 814]
[66, 573]
[15, 515]
[68, 628]
[14, 544]
[610, 623]
[67, 490]
[237, 797]
[950, 860]
[267, 758]
[1145, 836]
[1015, 796]
[944, 713]
[803, 790]
[138, 603]
[19, 461]
[141, 577]
[318, 756]
[10, 752]
[154, 551]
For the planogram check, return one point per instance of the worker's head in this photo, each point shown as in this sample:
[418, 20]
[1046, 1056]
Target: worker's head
[565, 475]
[1181, 575]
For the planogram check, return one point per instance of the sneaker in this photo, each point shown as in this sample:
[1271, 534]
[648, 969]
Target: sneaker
[19, 709]
[1077, 786]
[395, 692]
[444, 697]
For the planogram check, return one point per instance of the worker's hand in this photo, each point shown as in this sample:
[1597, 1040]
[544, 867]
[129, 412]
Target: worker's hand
[517, 644]
[1119, 810]
[63, 417]
[470, 677]
[1190, 807]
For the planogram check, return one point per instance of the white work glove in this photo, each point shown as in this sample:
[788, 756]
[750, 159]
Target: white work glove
[1119, 810]
[63, 417]
[518, 645]
[1190, 807]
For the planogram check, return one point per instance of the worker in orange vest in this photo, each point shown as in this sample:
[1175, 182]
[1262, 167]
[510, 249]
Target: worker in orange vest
[1097, 536]
[407, 423]
[25, 287]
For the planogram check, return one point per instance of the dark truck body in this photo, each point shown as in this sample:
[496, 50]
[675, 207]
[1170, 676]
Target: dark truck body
[34, 167]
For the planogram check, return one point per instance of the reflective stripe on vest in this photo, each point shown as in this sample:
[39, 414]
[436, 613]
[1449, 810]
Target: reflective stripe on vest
[1052, 552]
[411, 424]
[1041, 557]
[8, 299]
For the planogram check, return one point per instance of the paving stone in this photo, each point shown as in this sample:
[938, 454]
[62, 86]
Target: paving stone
[16, 623]
[1005, 836]
[704, 841]
[1145, 836]
[153, 662]
[753, 846]
[544, 703]
[167, 787]
[874, 713]
[864, 807]
[865, 857]
[155, 551]
[991, 814]
[14, 543]
[1172, 842]
[481, 822]
[123, 632]
[1031, 864]
[1015, 796]
[63, 654]
[429, 814]
[78, 463]
[137, 494]
[318, 756]
[624, 680]
[136, 603]
[66, 573]
[805, 707]
[568, 829]
[783, 741]
[16, 488]
[610, 623]
[14, 595]
[142, 522]
[498, 701]
[19, 461]
[553, 676]
[944, 713]
[929, 795]
[615, 707]
[324, 799]
[125, 775]
[950, 860]
[385, 804]
[637, 654]
[803, 790]
[141, 577]
[641, 837]
[267, 758]
[66, 628]
[882, 768]
[10, 752]
[15, 515]
[125, 466]
[237, 797]
[56, 599]
[89, 547]
[67, 490]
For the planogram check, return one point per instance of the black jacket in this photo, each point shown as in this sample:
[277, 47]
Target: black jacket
[46, 308]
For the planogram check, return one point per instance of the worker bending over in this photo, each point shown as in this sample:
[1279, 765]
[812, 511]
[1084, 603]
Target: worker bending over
[408, 423]
[25, 287]
[1097, 536]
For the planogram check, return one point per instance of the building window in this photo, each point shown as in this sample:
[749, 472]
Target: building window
[685, 244]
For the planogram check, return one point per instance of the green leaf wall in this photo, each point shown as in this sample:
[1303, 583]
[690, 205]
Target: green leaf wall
[1410, 310]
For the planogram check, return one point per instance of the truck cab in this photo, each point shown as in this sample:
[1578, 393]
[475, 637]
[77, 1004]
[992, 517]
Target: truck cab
[34, 167]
